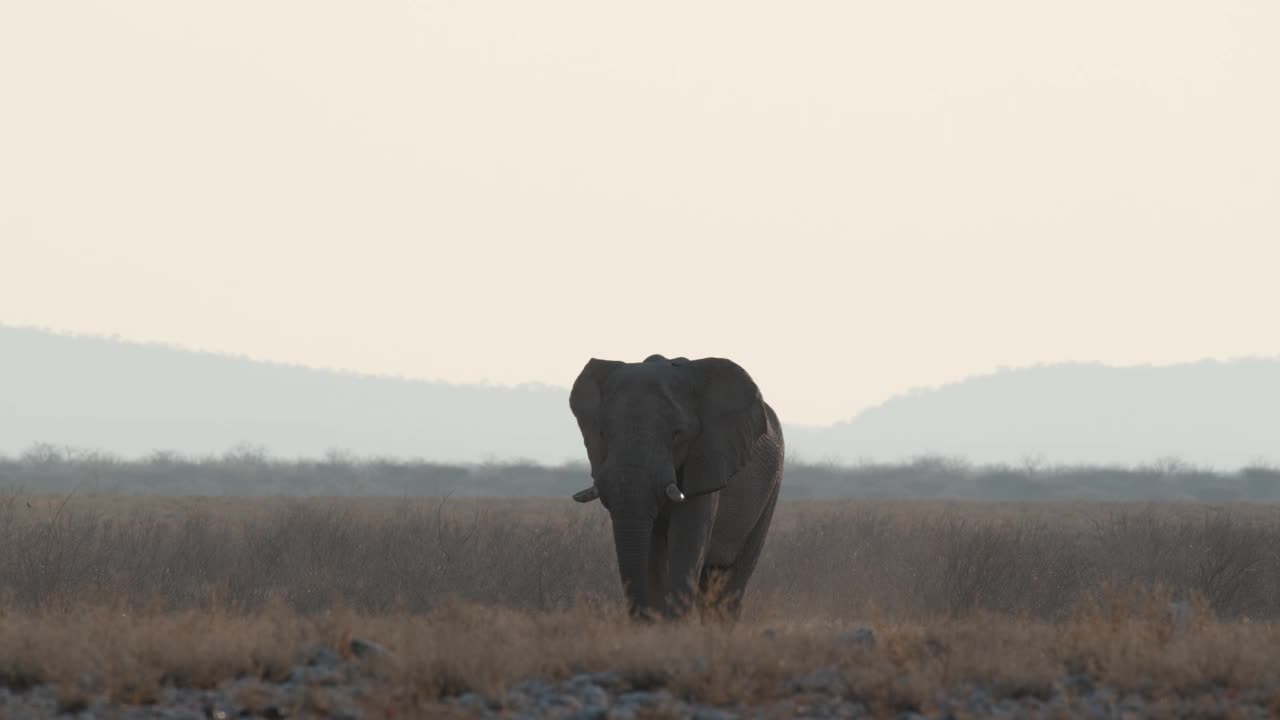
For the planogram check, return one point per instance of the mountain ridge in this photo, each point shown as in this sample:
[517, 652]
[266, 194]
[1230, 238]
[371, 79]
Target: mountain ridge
[1210, 412]
[135, 398]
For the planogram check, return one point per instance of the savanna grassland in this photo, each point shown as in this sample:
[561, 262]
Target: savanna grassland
[1057, 609]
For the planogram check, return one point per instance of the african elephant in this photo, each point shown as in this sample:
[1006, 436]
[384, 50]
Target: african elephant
[687, 458]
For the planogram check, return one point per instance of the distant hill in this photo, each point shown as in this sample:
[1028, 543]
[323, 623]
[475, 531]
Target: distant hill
[133, 399]
[1221, 414]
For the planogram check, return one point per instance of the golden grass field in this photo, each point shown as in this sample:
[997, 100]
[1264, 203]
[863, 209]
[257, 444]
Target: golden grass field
[137, 592]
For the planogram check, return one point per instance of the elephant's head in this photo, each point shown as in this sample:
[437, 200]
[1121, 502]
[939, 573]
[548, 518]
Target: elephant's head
[656, 433]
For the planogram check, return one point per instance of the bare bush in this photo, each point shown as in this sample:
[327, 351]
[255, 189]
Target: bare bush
[252, 471]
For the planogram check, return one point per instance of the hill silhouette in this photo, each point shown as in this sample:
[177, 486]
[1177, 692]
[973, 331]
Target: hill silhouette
[134, 399]
[1209, 413]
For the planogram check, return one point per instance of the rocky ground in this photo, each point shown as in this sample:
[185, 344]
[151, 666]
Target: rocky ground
[358, 684]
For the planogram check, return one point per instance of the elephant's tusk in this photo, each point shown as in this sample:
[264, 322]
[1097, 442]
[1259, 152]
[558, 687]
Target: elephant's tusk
[674, 493]
[591, 493]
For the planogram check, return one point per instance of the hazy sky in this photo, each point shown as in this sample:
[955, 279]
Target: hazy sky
[848, 198]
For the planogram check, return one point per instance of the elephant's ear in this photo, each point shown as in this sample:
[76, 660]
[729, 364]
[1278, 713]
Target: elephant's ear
[584, 401]
[731, 416]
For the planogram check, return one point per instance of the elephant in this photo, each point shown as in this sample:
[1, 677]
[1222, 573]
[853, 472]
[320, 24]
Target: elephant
[686, 457]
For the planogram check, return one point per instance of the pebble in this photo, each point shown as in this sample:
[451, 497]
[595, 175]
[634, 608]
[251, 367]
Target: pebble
[590, 695]
[337, 686]
[362, 648]
[822, 680]
[322, 657]
[711, 713]
[858, 637]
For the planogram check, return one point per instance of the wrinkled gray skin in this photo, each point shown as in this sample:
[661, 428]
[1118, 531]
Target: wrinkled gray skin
[702, 426]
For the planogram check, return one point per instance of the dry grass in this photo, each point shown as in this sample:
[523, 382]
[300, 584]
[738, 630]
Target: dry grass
[134, 593]
[839, 560]
[1127, 638]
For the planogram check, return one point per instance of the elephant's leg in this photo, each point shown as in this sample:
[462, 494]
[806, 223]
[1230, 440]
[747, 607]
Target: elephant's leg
[659, 583]
[731, 581]
[689, 530]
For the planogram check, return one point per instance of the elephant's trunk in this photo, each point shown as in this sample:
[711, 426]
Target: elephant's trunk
[631, 538]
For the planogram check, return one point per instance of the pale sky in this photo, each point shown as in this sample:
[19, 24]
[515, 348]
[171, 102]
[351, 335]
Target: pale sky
[850, 199]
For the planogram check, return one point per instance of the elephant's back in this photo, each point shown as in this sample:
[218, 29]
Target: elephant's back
[775, 426]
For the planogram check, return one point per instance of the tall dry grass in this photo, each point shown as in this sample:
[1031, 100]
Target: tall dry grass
[125, 596]
[839, 561]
